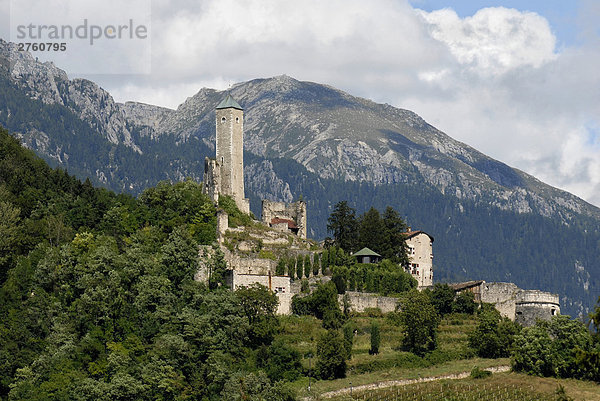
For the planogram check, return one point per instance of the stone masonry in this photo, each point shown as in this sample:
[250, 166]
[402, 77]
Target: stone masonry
[278, 214]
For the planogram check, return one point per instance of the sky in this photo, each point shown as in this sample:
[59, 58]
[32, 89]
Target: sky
[518, 80]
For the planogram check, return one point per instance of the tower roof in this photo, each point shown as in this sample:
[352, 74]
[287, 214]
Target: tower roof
[229, 102]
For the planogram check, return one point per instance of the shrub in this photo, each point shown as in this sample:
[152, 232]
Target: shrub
[375, 339]
[348, 339]
[331, 363]
[477, 373]
[464, 303]
[279, 361]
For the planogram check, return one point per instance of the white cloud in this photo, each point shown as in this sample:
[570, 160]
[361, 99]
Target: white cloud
[494, 80]
[494, 40]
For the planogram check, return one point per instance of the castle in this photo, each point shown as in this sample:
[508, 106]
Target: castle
[224, 175]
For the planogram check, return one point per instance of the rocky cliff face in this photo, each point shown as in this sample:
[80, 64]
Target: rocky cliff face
[51, 85]
[339, 136]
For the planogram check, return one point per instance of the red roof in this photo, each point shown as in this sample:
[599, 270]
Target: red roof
[290, 223]
[410, 234]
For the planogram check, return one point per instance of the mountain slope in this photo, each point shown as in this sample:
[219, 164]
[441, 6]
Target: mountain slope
[490, 221]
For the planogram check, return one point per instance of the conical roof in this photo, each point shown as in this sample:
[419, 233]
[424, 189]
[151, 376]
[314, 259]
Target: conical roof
[229, 102]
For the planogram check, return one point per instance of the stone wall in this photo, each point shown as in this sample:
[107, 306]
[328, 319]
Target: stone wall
[249, 265]
[502, 295]
[279, 284]
[295, 211]
[533, 305]
[360, 301]
[211, 181]
[522, 306]
[222, 225]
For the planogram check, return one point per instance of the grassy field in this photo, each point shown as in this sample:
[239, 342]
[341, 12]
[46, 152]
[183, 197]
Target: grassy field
[452, 356]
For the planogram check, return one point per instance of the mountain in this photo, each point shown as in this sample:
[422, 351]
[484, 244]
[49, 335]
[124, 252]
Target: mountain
[490, 221]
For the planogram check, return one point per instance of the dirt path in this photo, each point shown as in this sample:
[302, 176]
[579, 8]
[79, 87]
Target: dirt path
[392, 383]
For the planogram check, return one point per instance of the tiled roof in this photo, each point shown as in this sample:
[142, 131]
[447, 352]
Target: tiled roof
[410, 234]
[466, 284]
[290, 223]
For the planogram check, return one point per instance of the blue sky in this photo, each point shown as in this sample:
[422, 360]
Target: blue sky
[562, 14]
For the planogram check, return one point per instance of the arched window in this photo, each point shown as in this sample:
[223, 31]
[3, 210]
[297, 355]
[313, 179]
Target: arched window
[237, 119]
[223, 119]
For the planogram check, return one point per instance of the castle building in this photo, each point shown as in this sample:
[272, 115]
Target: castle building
[285, 217]
[420, 257]
[224, 175]
[522, 306]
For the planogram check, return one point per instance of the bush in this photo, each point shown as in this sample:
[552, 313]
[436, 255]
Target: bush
[331, 363]
[552, 348]
[304, 286]
[420, 321]
[279, 361]
[464, 303]
[477, 373]
[494, 335]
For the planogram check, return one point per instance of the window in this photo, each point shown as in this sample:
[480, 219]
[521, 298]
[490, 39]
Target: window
[553, 312]
[223, 119]
[237, 119]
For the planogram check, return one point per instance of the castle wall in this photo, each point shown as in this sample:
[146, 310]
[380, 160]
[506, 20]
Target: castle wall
[222, 224]
[249, 265]
[522, 306]
[360, 301]
[502, 295]
[279, 284]
[533, 305]
[295, 211]
[211, 181]
[421, 259]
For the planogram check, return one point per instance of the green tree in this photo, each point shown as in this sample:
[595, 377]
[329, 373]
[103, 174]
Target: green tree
[343, 225]
[375, 339]
[420, 322]
[315, 263]
[180, 256]
[348, 330]
[394, 246]
[371, 231]
[494, 334]
[281, 265]
[442, 297]
[259, 304]
[299, 266]
[551, 348]
[279, 361]
[331, 361]
[464, 303]
[217, 270]
[307, 266]
[255, 386]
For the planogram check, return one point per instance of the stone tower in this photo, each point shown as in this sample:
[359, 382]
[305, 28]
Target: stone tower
[225, 175]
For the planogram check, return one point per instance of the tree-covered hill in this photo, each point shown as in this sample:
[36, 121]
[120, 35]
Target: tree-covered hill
[97, 298]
